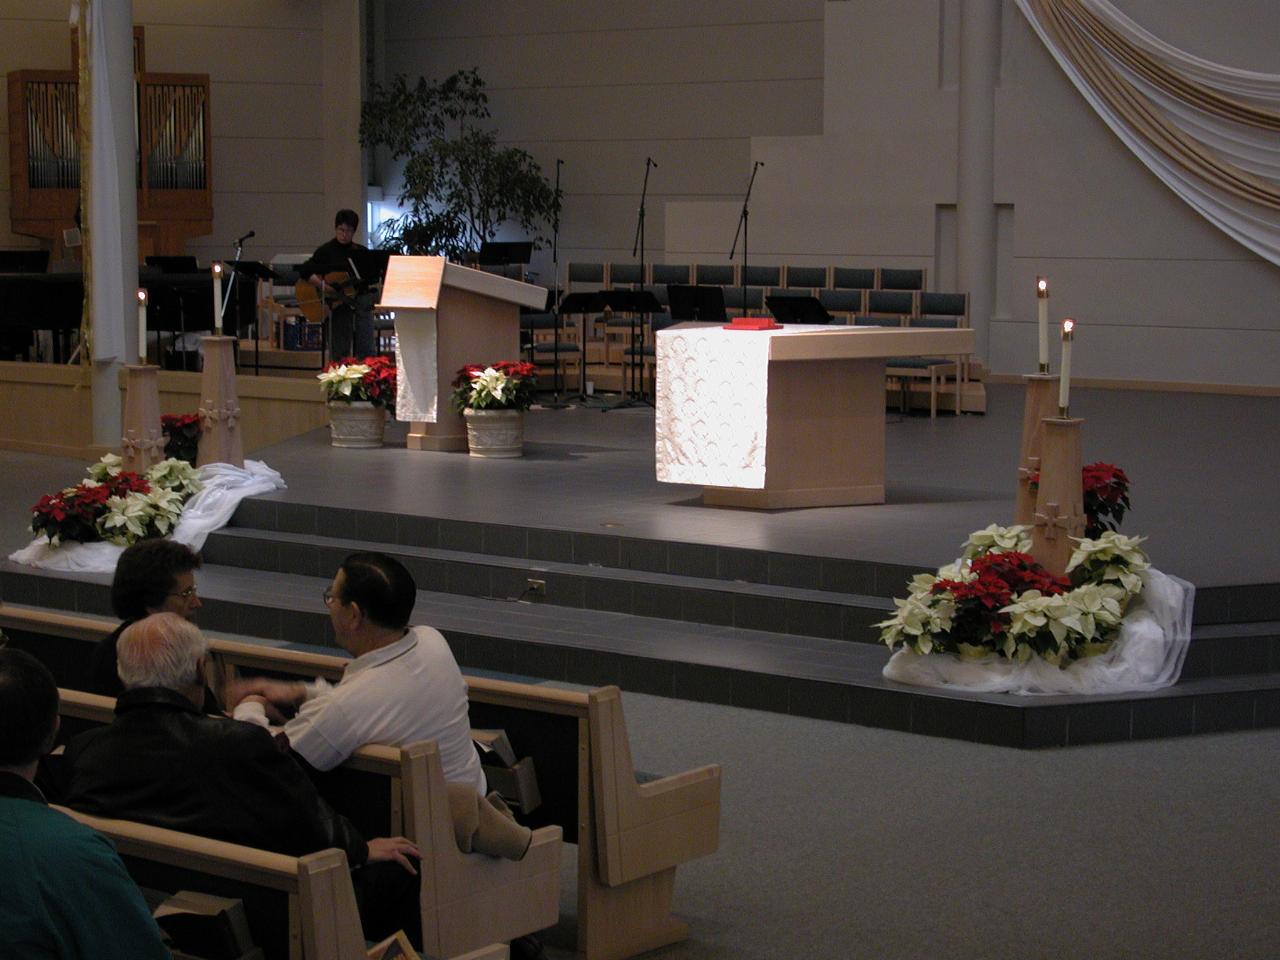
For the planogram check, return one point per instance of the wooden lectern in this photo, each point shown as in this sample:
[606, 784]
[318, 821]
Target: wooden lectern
[448, 316]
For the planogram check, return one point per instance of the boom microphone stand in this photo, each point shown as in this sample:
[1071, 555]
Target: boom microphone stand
[632, 383]
[742, 228]
[557, 403]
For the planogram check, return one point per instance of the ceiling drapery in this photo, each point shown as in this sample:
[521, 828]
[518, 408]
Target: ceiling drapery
[1210, 132]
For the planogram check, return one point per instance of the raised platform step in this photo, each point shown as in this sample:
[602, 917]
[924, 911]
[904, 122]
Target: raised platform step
[805, 676]
[686, 597]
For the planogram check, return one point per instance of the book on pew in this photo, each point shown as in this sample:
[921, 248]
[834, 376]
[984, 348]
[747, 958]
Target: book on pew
[206, 927]
[495, 749]
[514, 780]
[395, 947]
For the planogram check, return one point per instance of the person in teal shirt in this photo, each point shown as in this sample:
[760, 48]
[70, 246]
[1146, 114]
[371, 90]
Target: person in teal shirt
[66, 895]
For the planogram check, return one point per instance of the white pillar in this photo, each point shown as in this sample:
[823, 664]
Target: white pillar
[113, 211]
[979, 73]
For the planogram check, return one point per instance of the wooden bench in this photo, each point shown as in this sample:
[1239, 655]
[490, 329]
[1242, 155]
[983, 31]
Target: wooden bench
[630, 836]
[467, 900]
[323, 921]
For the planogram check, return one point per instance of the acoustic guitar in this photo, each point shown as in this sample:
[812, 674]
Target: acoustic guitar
[311, 300]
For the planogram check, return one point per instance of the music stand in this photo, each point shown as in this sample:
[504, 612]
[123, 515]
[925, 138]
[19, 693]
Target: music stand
[24, 261]
[798, 310]
[584, 304]
[501, 253]
[171, 264]
[259, 272]
[637, 304]
[691, 302]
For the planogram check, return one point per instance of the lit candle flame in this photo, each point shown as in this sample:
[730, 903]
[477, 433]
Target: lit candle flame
[142, 295]
[217, 268]
[1042, 287]
[1067, 326]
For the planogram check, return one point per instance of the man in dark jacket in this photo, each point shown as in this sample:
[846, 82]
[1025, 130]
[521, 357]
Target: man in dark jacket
[163, 762]
[351, 324]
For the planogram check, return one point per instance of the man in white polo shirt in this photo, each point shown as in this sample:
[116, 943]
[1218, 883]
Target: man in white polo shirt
[404, 684]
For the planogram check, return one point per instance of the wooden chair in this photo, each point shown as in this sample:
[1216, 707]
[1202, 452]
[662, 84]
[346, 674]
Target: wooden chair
[805, 278]
[897, 279]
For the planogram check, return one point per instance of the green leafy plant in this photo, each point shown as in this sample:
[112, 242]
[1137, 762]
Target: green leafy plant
[460, 186]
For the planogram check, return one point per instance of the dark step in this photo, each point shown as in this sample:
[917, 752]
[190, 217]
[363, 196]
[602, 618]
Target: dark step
[694, 599]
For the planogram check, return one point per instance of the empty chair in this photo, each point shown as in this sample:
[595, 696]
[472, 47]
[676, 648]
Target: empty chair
[668, 273]
[586, 276]
[624, 275]
[733, 299]
[715, 275]
[891, 279]
[954, 306]
[843, 304]
[754, 276]
[552, 344]
[891, 303]
[853, 278]
[814, 278]
[659, 291]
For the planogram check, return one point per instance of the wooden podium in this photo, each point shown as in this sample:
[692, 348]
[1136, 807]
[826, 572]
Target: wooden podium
[448, 316]
[824, 413]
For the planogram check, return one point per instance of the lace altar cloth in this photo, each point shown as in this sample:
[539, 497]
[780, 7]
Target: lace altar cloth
[222, 488]
[416, 368]
[1148, 654]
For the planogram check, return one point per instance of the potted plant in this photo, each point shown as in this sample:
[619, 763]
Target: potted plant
[493, 400]
[359, 393]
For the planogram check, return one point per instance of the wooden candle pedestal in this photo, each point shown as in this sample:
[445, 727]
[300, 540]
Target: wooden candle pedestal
[221, 440]
[1041, 404]
[142, 445]
[1059, 511]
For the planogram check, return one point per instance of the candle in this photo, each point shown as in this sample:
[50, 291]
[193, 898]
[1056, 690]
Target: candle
[142, 325]
[1064, 381]
[217, 298]
[1042, 302]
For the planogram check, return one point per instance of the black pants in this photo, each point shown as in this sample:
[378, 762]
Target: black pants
[387, 896]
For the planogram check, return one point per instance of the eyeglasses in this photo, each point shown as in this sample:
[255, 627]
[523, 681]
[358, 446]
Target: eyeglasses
[186, 594]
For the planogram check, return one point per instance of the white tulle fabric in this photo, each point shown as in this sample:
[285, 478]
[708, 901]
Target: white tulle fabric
[1239, 146]
[223, 487]
[1148, 655]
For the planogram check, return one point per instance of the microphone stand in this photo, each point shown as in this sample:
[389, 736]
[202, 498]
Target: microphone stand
[630, 380]
[235, 288]
[743, 221]
[556, 379]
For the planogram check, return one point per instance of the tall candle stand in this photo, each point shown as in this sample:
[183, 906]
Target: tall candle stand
[220, 435]
[1059, 508]
[1041, 402]
[142, 445]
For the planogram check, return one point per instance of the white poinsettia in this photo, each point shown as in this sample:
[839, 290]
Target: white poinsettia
[492, 383]
[997, 539]
[126, 519]
[109, 466]
[921, 585]
[176, 475]
[1033, 612]
[166, 506]
[339, 382]
[1112, 557]
[960, 570]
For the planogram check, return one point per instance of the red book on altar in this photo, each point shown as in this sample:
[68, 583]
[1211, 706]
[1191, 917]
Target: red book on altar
[753, 323]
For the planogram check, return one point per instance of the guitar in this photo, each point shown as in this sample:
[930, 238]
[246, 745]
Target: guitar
[311, 300]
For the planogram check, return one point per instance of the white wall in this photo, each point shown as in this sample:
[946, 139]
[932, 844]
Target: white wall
[852, 105]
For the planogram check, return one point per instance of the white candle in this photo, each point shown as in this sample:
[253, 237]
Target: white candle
[1064, 381]
[142, 325]
[1042, 301]
[217, 298]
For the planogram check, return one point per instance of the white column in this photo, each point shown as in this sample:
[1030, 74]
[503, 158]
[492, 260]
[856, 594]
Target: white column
[113, 211]
[979, 73]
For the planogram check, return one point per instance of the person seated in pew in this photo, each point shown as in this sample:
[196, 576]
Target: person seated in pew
[66, 893]
[152, 576]
[163, 762]
[404, 685]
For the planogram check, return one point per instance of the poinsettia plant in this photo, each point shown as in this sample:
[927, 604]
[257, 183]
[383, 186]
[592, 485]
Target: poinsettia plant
[116, 505]
[372, 379]
[1106, 496]
[181, 435]
[505, 385]
[997, 600]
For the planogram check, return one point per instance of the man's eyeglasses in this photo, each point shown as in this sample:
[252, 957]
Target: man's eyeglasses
[186, 594]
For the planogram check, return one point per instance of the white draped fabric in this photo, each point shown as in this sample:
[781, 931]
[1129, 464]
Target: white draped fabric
[1148, 655]
[223, 487]
[417, 371]
[1210, 132]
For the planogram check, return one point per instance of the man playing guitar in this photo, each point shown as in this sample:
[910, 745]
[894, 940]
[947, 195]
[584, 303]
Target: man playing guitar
[336, 270]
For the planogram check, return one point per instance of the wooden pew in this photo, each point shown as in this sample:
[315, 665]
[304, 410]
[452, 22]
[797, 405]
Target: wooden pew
[467, 900]
[630, 836]
[323, 921]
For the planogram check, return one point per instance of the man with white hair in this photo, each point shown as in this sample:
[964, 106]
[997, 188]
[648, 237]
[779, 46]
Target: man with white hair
[163, 762]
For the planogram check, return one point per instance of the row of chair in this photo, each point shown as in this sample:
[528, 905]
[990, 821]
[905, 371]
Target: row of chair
[593, 276]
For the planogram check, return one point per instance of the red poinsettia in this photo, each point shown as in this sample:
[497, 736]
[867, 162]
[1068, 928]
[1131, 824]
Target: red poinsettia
[72, 514]
[1106, 497]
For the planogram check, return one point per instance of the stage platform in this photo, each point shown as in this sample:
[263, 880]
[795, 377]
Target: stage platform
[573, 564]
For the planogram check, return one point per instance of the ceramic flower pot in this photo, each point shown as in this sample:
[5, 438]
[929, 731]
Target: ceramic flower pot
[495, 434]
[356, 424]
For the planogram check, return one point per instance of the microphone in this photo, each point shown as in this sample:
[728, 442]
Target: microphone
[245, 237]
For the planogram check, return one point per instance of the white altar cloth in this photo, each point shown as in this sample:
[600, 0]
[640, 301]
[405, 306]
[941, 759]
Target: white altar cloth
[416, 368]
[711, 420]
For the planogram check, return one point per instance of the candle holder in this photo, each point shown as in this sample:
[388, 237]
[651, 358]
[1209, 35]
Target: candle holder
[142, 445]
[1041, 399]
[220, 435]
[1059, 510]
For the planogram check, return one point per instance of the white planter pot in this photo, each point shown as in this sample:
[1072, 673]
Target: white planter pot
[356, 424]
[495, 433]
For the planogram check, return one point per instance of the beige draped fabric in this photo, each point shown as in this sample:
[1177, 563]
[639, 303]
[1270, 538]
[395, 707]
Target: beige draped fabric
[1210, 132]
[80, 18]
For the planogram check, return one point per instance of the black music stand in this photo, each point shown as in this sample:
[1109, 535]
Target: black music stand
[178, 264]
[639, 305]
[502, 253]
[798, 310]
[584, 304]
[24, 261]
[259, 272]
[690, 302]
